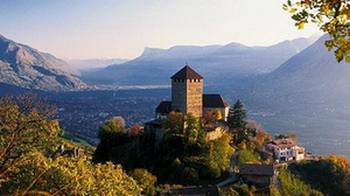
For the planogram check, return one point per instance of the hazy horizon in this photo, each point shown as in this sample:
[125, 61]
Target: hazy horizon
[118, 29]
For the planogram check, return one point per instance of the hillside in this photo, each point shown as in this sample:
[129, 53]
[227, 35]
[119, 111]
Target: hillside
[87, 64]
[308, 94]
[231, 61]
[27, 67]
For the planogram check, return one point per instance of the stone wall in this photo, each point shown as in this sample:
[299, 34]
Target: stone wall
[194, 97]
[187, 96]
[178, 95]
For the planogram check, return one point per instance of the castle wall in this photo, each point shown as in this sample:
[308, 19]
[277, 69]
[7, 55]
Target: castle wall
[178, 95]
[194, 89]
[187, 96]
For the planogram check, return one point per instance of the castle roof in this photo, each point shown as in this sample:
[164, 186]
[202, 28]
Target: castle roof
[214, 101]
[164, 107]
[186, 73]
[209, 101]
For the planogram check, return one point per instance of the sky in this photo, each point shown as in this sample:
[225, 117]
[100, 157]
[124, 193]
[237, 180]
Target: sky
[123, 28]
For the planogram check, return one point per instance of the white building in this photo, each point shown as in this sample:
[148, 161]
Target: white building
[285, 150]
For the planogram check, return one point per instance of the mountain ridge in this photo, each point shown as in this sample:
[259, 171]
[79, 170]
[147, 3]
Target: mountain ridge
[233, 59]
[27, 67]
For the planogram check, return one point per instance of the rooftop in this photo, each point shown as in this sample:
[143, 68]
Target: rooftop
[209, 101]
[284, 143]
[164, 107]
[256, 169]
[214, 101]
[186, 73]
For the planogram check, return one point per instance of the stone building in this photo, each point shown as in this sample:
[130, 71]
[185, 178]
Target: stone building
[187, 96]
[186, 92]
[258, 174]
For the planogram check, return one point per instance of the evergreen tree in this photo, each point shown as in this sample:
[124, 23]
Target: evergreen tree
[237, 116]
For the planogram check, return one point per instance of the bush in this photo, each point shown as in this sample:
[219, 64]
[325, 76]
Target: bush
[248, 156]
[330, 175]
[146, 180]
[291, 185]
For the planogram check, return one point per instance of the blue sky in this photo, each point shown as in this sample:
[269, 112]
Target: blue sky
[116, 28]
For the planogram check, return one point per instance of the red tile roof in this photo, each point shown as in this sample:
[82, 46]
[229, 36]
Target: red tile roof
[186, 73]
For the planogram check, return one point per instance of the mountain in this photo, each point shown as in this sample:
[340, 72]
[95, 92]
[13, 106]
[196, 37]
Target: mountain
[86, 64]
[231, 61]
[312, 70]
[27, 67]
[309, 94]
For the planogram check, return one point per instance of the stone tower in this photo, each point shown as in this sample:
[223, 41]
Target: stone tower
[187, 92]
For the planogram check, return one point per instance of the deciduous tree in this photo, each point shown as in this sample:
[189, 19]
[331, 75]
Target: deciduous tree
[332, 16]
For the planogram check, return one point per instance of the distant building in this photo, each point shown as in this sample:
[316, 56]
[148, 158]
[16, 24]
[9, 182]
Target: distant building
[258, 174]
[187, 96]
[285, 149]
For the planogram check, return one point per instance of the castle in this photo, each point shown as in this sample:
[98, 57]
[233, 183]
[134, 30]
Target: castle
[187, 97]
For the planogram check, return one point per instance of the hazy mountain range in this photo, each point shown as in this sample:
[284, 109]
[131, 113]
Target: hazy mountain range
[308, 94]
[214, 62]
[24, 66]
[87, 64]
[288, 86]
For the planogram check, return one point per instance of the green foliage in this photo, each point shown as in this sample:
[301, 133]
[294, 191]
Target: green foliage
[182, 156]
[332, 16]
[32, 165]
[237, 116]
[290, 185]
[228, 191]
[248, 156]
[23, 130]
[220, 152]
[330, 175]
[112, 133]
[234, 190]
[111, 128]
[192, 129]
[68, 176]
[175, 122]
[146, 180]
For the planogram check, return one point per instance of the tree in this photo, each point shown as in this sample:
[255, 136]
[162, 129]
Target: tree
[192, 128]
[146, 180]
[30, 163]
[290, 183]
[221, 151]
[135, 130]
[111, 128]
[38, 175]
[335, 178]
[332, 16]
[218, 115]
[248, 156]
[111, 133]
[175, 122]
[237, 116]
[24, 128]
[209, 118]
